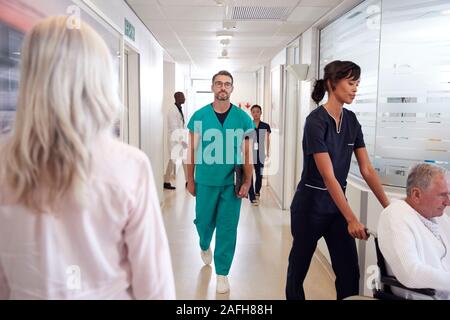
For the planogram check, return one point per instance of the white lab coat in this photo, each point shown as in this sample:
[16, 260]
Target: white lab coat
[176, 132]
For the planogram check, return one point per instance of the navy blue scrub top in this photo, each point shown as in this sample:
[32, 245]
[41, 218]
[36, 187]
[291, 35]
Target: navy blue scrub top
[321, 135]
[261, 131]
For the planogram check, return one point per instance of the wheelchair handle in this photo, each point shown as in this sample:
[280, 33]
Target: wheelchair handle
[370, 233]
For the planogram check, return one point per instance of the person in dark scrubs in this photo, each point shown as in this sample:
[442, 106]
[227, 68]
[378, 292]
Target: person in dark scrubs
[260, 152]
[319, 208]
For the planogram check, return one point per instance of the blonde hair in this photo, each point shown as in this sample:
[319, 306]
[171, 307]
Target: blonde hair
[68, 96]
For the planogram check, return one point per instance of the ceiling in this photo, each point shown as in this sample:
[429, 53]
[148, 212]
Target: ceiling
[188, 29]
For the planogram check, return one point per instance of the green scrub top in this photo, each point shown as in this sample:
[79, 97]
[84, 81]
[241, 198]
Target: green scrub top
[220, 147]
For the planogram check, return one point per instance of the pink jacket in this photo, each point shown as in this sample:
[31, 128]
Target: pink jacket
[114, 248]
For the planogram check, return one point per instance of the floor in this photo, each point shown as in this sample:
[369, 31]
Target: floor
[260, 263]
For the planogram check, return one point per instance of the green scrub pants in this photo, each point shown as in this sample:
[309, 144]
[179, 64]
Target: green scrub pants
[218, 208]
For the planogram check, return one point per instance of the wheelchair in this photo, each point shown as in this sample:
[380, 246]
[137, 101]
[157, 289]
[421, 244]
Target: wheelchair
[387, 281]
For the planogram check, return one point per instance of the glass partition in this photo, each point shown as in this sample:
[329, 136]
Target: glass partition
[414, 87]
[16, 18]
[356, 37]
[10, 43]
[403, 103]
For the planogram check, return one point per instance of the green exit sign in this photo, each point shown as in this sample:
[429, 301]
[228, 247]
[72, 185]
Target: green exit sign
[130, 30]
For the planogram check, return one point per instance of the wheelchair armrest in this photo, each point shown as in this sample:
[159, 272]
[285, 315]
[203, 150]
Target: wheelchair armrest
[393, 282]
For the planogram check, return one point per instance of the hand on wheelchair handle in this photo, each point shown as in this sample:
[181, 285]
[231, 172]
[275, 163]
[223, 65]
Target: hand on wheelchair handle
[357, 230]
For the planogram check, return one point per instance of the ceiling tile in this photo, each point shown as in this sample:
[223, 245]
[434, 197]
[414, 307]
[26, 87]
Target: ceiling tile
[186, 3]
[196, 26]
[193, 13]
[187, 29]
[147, 11]
[302, 14]
[320, 3]
[265, 3]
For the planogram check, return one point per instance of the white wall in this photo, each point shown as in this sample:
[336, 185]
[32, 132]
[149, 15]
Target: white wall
[267, 103]
[168, 102]
[245, 89]
[280, 58]
[181, 77]
[151, 78]
[260, 87]
[275, 179]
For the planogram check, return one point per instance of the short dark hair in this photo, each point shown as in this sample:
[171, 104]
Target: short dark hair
[256, 106]
[177, 94]
[223, 73]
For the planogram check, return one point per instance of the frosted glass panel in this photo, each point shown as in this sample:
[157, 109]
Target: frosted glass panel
[356, 37]
[10, 43]
[414, 91]
[403, 48]
[16, 18]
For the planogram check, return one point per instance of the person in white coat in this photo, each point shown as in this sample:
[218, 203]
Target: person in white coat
[176, 139]
[414, 234]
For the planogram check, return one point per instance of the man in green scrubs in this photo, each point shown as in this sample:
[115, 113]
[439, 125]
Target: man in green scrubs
[219, 140]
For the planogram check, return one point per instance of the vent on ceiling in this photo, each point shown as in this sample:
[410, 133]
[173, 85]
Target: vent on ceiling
[261, 13]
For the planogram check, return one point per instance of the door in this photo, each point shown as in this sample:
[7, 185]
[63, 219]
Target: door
[131, 115]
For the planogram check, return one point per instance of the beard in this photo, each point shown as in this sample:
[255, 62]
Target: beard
[222, 96]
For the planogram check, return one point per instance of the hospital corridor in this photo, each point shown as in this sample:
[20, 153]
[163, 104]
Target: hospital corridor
[199, 153]
[261, 257]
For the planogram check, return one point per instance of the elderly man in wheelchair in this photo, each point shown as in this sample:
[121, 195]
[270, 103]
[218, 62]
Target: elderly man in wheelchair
[413, 245]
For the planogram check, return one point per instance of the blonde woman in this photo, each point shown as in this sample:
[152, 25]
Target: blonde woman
[79, 214]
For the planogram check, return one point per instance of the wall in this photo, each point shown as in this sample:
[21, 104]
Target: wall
[307, 47]
[260, 88]
[151, 63]
[267, 102]
[168, 102]
[245, 89]
[182, 77]
[276, 168]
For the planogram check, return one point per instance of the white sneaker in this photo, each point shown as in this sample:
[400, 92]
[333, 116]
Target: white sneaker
[206, 256]
[222, 284]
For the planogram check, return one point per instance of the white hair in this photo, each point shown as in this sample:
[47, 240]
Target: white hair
[68, 96]
[421, 176]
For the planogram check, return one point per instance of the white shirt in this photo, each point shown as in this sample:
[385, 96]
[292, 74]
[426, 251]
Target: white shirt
[416, 254]
[114, 248]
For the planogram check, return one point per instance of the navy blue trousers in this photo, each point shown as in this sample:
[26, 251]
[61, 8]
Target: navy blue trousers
[258, 181]
[307, 228]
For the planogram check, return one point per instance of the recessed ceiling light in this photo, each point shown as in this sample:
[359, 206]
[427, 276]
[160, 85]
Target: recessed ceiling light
[220, 3]
[446, 12]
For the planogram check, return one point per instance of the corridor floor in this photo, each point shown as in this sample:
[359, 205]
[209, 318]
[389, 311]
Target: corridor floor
[260, 263]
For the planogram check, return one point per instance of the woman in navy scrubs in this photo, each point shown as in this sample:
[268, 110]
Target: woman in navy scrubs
[319, 208]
